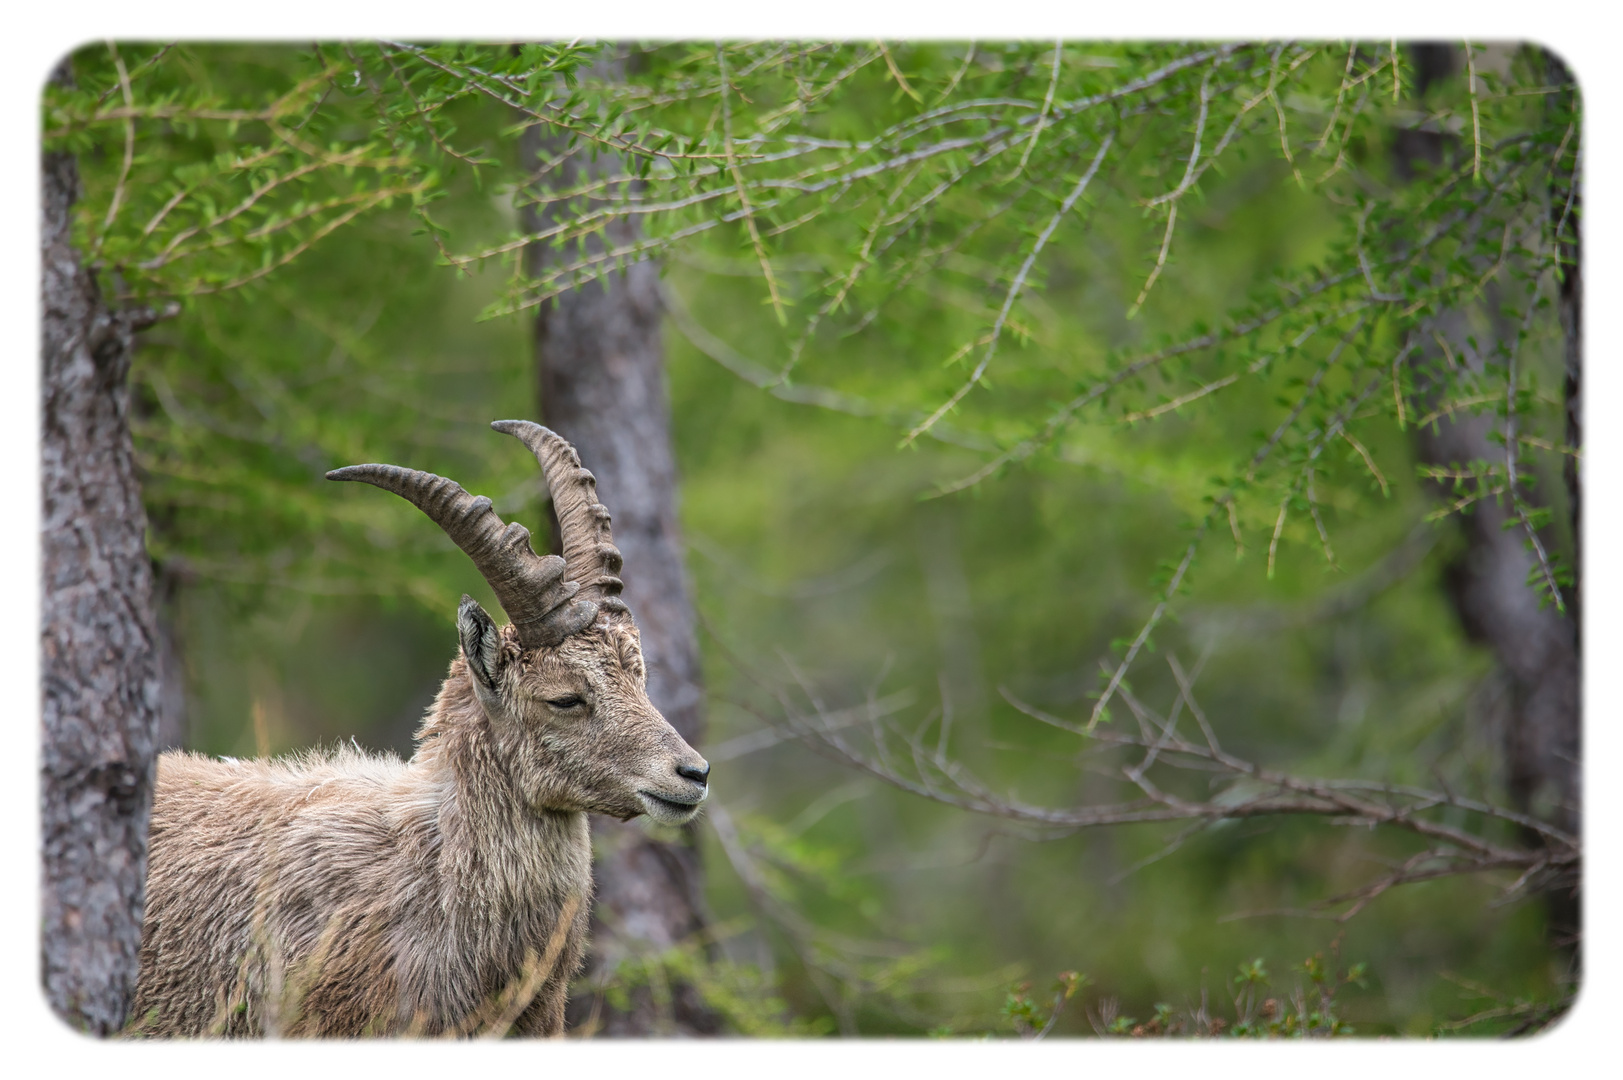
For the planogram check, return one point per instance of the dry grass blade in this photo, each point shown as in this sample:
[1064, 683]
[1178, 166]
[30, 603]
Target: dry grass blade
[522, 991]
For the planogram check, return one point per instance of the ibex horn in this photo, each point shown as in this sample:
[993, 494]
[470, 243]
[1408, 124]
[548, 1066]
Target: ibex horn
[531, 589]
[589, 552]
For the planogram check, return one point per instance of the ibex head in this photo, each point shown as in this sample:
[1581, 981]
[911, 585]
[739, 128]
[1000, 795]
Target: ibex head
[563, 686]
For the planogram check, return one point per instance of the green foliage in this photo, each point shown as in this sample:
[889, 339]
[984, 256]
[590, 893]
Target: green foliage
[1026, 1015]
[1497, 1013]
[1306, 1011]
[871, 217]
[260, 152]
[745, 1000]
[991, 360]
[856, 962]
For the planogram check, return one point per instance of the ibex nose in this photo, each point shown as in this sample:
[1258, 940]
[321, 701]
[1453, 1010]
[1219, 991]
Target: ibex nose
[699, 773]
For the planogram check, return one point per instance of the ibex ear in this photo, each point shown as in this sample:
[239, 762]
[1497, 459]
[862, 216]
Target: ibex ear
[481, 643]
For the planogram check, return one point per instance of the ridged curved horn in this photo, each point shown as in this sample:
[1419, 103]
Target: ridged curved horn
[531, 589]
[589, 552]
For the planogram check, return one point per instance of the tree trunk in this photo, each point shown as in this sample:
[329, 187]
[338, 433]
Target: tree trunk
[99, 675]
[1537, 648]
[602, 380]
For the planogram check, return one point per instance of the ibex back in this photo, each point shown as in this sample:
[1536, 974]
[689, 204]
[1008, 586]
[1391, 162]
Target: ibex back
[337, 893]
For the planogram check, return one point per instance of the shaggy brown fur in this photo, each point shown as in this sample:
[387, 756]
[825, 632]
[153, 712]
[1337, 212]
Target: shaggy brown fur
[340, 893]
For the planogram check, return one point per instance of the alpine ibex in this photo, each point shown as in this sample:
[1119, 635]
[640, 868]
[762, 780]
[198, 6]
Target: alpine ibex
[337, 893]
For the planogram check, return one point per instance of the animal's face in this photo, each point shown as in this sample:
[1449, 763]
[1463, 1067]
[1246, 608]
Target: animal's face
[575, 724]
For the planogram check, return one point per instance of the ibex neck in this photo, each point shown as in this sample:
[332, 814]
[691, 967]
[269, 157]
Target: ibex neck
[499, 850]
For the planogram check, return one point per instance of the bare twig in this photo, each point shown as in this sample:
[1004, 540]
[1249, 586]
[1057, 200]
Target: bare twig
[1256, 791]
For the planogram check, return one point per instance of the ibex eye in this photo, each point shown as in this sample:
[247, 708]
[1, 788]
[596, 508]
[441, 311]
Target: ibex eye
[566, 702]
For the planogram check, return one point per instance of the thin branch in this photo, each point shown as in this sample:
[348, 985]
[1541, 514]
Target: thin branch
[896, 73]
[1476, 116]
[1511, 442]
[743, 192]
[1369, 462]
[822, 397]
[1014, 292]
[1063, 416]
[969, 58]
[1181, 401]
[1341, 93]
[1042, 116]
[1160, 261]
[129, 152]
[308, 242]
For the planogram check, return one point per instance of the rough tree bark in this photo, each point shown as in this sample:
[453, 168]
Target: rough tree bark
[99, 673]
[1537, 648]
[602, 382]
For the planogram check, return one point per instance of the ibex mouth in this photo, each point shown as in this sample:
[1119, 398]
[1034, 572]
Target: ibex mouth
[668, 810]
